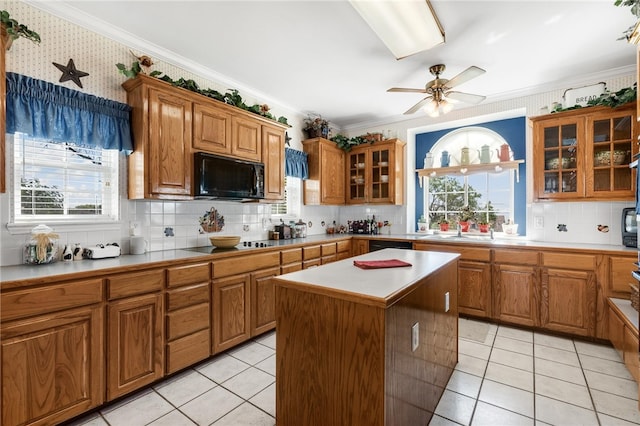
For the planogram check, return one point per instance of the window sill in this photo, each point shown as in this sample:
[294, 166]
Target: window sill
[25, 228]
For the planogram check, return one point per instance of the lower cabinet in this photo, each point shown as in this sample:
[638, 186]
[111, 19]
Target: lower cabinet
[263, 301]
[311, 256]
[516, 287]
[343, 249]
[52, 366]
[623, 334]
[231, 311]
[135, 331]
[568, 302]
[188, 315]
[328, 253]
[290, 260]
[474, 288]
[359, 246]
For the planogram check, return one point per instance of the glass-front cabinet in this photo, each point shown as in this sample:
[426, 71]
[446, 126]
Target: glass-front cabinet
[585, 153]
[375, 173]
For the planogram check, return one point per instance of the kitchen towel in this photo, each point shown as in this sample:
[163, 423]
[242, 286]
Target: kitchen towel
[376, 264]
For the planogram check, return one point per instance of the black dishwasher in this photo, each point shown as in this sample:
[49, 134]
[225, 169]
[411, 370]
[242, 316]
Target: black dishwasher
[375, 245]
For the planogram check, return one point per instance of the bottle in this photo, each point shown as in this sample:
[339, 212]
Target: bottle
[67, 254]
[77, 252]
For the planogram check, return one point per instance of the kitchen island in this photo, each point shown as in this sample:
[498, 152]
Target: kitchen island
[366, 346]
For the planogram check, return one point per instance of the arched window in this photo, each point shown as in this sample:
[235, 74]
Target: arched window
[489, 195]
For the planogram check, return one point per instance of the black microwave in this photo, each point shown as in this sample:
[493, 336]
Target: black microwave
[227, 178]
[629, 227]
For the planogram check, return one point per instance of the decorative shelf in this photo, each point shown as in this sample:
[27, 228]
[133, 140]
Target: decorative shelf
[470, 169]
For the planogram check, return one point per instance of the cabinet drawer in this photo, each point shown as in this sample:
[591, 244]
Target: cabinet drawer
[328, 249]
[28, 302]
[466, 253]
[291, 255]
[189, 274]
[188, 296]
[312, 252]
[188, 320]
[235, 266]
[343, 246]
[292, 267]
[328, 259]
[344, 255]
[583, 262]
[516, 257]
[188, 350]
[126, 285]
[310, 263]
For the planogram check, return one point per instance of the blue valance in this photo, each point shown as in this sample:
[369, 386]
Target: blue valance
[295, 163]
[44, 110]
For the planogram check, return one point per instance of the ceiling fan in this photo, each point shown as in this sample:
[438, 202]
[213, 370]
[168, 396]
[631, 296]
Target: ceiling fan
[439, 91]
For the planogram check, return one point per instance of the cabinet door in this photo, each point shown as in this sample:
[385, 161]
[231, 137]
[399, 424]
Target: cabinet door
[357, 177]
[170, 163]
[381, 174]
[273, 159]
[331, 175]
[52, 366]
[359, 247]
[516, 295]
[568, 301]
[246, 138]
[559, 158]
[231, 311]
[474, 288]
[136, 343]
[610, 148]
[211, 129]
[263, 302]
[620, 268]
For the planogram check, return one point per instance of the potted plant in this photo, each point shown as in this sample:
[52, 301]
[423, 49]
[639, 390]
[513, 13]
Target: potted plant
[444, 225]
[316, 127]
[15, 30]
[483, 226]
[465, 218]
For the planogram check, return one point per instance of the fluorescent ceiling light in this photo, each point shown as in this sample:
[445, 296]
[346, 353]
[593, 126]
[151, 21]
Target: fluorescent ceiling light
[405, 26]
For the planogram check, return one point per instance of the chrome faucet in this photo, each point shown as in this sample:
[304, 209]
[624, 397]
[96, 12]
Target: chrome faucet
[491, 233]
[459, 230]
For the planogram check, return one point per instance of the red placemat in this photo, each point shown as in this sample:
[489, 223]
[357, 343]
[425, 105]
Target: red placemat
[376, 264]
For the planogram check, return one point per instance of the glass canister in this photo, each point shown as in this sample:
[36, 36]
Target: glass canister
[41, 247]
[301, 229]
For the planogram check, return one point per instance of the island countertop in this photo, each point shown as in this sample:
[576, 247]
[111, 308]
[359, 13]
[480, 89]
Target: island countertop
[381, 287]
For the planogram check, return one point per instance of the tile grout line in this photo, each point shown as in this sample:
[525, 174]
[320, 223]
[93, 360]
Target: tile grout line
[586, 382]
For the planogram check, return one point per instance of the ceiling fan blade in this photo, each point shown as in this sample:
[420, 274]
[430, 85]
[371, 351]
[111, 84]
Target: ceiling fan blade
[464, 76]
[418, 105]
[406, 90]
[465, 97]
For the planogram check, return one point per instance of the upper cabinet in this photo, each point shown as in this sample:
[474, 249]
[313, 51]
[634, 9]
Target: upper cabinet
[325, 185]
[170, 124]
[375, 173]
[585, 154]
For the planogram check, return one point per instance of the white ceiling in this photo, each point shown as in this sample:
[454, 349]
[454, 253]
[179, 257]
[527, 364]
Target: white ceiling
[321, 57]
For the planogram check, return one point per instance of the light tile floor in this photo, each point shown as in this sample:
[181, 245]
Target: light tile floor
[505, 376]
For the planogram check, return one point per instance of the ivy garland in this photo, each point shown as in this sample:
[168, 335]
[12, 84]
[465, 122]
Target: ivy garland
[612, 100]
[346, 143]
[232, 97]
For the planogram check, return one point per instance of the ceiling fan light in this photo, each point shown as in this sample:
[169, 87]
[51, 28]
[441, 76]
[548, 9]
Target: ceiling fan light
[446, 106]
[405, 27]
[432, 108]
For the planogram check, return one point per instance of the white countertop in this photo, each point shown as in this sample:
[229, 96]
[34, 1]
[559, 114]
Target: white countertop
[379, 284]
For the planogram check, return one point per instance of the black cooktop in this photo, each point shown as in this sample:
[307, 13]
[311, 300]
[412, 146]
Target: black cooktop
[245, 245]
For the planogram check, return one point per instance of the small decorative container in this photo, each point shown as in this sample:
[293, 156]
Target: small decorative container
[41, 247]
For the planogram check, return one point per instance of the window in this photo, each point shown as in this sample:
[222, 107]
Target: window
[62, 182]
[489, 195]
[290, 206]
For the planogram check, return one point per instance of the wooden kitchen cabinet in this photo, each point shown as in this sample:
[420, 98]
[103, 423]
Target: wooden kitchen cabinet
[328, 253]
[51, 352]
[247, 138]
[234, 306]
[343, 249]
[161, 167]
[326, 161]
[263, 301]
[375, 173]
[188, 315]
[516, 287]
[291, 260]
[623, 333]
[584, 154]
[211, 129]
[311, 256]
[568, 302]
[135, 332]
[620, 278]
[273, 159]
[474, 278]
[359, 246]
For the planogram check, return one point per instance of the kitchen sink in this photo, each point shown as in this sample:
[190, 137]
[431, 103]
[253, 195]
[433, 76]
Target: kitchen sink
[455, 237]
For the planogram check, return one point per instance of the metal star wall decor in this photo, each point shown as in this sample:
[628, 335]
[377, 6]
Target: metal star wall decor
[70, 72]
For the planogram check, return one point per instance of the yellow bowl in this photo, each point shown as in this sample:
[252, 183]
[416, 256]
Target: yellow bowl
[224, 241]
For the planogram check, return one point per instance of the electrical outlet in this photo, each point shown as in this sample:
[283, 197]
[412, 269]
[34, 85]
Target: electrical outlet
[415, 336]
[446, 302]
[538, 222]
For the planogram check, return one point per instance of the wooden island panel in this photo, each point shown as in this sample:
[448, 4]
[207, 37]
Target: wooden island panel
[345, 357]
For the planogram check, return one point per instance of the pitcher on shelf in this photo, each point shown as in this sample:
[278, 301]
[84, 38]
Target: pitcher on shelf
[444, 159]
[485, 154]
[504, 153]
[428, 160]
[464, 156]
